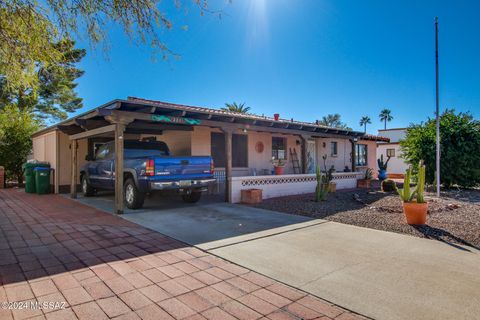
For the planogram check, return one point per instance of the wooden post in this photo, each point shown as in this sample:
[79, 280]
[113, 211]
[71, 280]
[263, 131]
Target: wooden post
[228, 132]
[354, 162]
[73, 181]
[304, 146]
[119, 145]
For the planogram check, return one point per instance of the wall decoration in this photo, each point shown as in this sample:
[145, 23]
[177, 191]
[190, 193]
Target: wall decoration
[259, 147]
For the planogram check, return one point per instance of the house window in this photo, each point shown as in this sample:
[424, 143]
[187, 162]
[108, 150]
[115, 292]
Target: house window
[390, 152]
[239, 150]
[361, 155]
[279, 148]
[333, 148]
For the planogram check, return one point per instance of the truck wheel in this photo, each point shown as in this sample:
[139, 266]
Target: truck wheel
[87, 189]
[191, 196]
[132, 196]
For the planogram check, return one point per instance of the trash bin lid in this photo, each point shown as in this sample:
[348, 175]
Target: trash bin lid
[41, 169]
[34, 164]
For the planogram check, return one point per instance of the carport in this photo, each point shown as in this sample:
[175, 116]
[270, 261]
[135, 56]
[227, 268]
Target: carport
[120, 118]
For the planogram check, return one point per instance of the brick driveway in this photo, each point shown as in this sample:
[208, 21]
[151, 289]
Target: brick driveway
[99, 266]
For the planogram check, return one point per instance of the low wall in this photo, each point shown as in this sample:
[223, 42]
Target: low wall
[286, 185]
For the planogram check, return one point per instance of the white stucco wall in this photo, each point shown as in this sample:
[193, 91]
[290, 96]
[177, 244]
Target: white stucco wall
[396, 164]
[395, 135]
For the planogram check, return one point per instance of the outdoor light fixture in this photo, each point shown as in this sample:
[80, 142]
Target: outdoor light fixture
[244, 130]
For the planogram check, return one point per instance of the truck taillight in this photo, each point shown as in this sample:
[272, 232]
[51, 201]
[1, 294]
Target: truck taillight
[212, 166]
[150, 168]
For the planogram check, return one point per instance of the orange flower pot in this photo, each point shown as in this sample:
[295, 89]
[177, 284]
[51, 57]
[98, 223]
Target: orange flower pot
[415, 213]
[332, 187]
[279, 170]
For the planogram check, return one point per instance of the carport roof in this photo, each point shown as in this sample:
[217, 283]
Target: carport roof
[96, 118]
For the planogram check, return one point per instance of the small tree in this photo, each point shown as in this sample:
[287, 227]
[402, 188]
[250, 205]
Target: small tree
[333, 121]
[16, 128]
[459, 145]
[236, 107]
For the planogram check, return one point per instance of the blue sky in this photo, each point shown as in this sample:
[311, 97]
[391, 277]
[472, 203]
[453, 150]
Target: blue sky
[303, 59]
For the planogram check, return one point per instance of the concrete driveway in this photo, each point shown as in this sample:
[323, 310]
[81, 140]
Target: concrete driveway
[207, 224]
[379, 274]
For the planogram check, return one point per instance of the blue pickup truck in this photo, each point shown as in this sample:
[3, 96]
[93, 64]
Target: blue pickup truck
[148, 167]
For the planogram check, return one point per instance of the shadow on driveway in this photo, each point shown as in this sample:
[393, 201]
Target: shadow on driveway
[210, 220]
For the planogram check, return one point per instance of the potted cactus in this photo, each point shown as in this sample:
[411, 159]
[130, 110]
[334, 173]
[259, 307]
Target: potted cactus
[414, 205]
[382, 166]
[365, 182]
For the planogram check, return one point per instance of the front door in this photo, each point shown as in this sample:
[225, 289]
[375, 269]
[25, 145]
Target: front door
[311, 156]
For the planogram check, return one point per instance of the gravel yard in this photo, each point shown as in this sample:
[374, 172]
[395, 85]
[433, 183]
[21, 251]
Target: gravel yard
[453, 219]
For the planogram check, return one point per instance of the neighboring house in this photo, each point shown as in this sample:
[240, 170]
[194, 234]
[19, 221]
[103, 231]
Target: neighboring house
[396, 165]
[191, 130]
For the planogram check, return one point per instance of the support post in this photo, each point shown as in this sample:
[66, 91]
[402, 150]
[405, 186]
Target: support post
[228, 132]
[304, 146]
[119, 146]
[74, 178]
[354, 156]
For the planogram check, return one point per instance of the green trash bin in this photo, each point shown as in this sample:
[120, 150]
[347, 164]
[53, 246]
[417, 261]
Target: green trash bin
[42, 180]
[29, 177]
[30, 174]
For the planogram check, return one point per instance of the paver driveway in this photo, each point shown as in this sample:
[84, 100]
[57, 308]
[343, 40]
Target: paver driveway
[99, 266]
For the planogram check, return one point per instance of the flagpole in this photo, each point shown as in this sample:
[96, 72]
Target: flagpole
[437, 110]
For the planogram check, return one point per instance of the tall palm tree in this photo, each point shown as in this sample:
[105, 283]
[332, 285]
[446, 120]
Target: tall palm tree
[234, 107]
[385, 115]
[364, 121]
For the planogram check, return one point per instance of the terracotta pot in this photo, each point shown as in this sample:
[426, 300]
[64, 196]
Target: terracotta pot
[332, 187]
[363, 183]
[415, 213]
[279, 171]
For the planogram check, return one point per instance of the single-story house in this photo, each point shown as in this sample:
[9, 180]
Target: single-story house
[191, 130]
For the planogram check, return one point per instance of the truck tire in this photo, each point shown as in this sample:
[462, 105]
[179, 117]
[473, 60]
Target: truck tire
[191, 196]
[87, 189]
[132, 196]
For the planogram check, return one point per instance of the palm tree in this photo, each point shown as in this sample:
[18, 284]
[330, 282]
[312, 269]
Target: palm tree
[385, 115]
[234, 107]
[364, 121]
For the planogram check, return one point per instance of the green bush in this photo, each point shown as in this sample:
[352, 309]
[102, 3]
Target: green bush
[460, 145]
[388, 186]
[16, 128]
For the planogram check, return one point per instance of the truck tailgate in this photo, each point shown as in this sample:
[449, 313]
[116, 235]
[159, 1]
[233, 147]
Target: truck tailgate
[188, 167]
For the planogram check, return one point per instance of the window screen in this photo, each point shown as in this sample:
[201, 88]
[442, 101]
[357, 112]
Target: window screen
[390, 152]
[239, 150]
[279, 148]
[361, 154]
[333, 148]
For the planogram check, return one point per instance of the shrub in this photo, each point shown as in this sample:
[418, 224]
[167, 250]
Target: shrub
[460, 142]
[389, 186]
[16, 128]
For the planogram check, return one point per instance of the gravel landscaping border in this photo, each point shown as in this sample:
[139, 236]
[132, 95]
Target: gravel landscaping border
[453, 219]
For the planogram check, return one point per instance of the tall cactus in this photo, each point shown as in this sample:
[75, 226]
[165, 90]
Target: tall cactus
[321, 190]
[421, 183]
[405, 194]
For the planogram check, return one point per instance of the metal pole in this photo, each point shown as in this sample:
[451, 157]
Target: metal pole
[437, 110]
